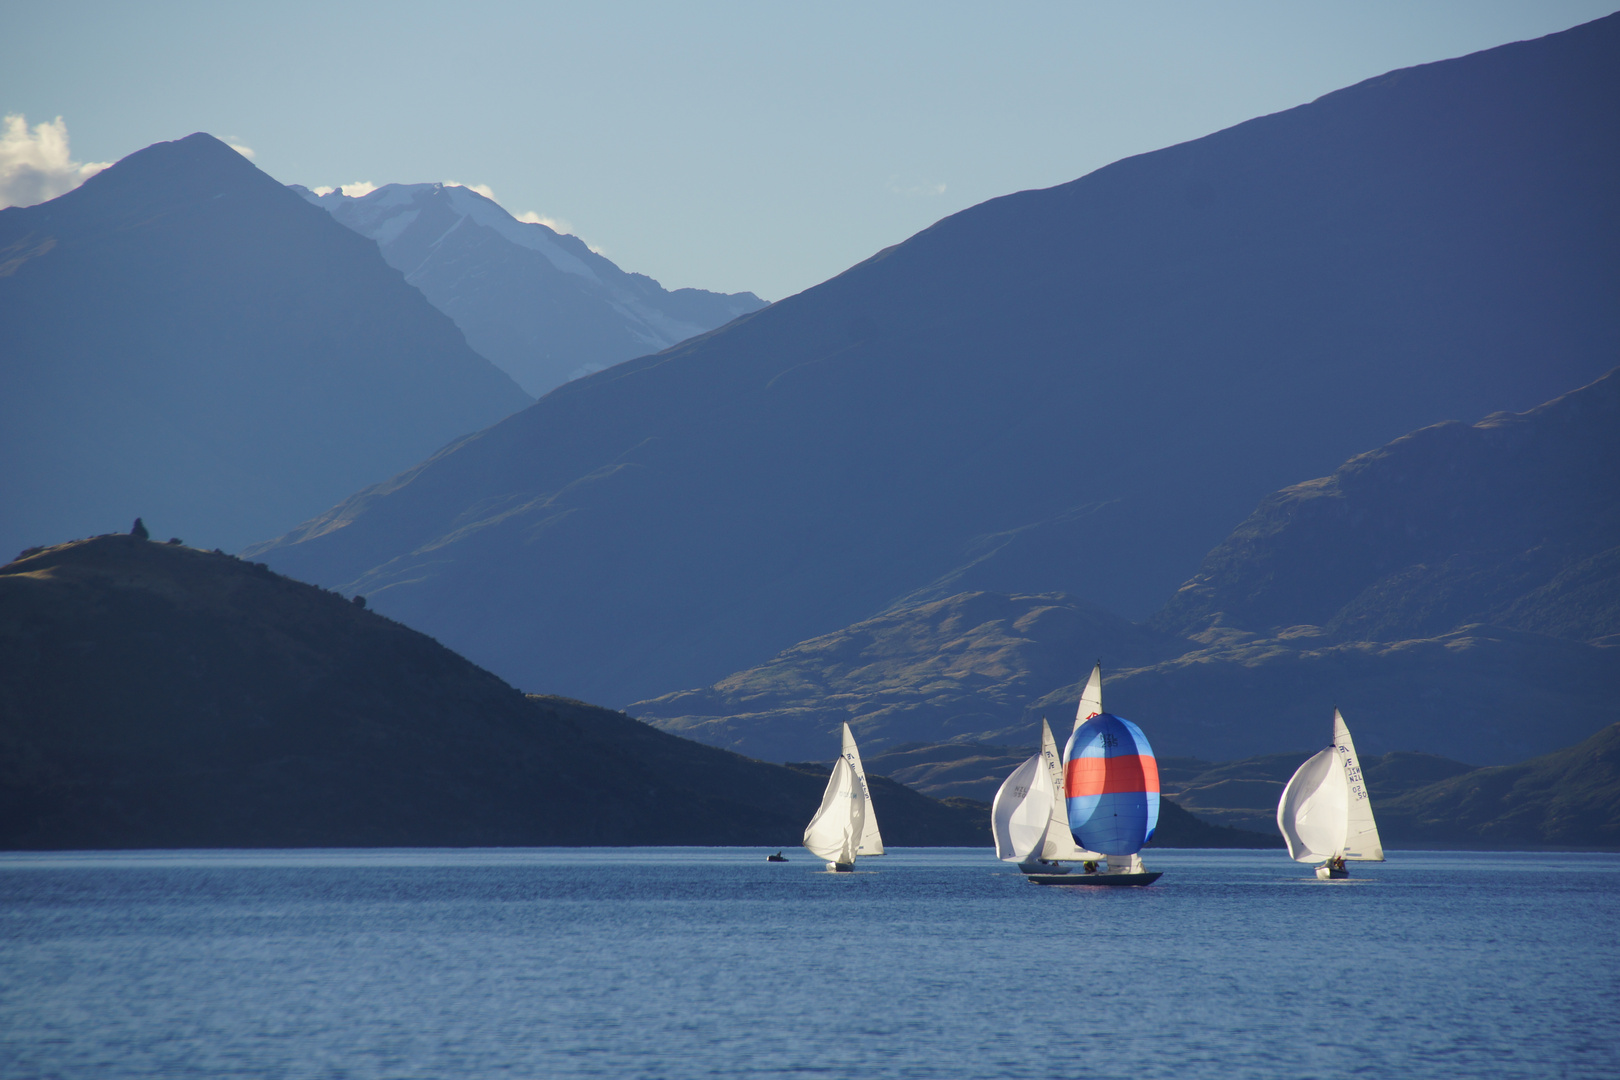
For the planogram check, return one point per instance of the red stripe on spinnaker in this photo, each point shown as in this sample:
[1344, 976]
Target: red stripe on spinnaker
[1107, 776]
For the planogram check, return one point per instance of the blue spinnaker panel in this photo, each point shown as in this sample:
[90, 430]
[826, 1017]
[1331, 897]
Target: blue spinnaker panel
[1111, 786]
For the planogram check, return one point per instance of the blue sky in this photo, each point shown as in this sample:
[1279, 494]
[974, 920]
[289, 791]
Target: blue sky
[761, 146]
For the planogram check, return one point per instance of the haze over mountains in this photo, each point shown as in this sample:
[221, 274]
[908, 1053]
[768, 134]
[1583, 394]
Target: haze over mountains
[188, 340]
[540, 305]
[1079, 390]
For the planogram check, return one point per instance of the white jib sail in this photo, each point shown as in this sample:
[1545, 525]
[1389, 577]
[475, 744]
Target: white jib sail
[871, 840]
[835, 832]
[1090, 698]
[1361, 841]
[1315, 808]
[1058, 844]
[1021, 813]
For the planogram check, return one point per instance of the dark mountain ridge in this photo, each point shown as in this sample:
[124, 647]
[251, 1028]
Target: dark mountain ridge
[154, 695]
[188, 340]
[1074, 390]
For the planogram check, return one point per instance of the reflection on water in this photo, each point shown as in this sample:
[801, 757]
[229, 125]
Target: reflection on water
[710, 962]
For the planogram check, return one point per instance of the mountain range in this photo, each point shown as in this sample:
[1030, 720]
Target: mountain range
[1074, 391]
[539, 304]
[189, 341]
[1441, 588]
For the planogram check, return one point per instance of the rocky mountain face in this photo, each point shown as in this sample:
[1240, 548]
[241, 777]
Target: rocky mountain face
[1078, 390]
[540, 305]
[158, 696]
[187, 340]
[1441, 589]
[1513, 521]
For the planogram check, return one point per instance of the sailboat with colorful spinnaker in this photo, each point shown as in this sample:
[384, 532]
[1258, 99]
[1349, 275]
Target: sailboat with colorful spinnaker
[1325, 812]
[1111, 793]
[846, 824]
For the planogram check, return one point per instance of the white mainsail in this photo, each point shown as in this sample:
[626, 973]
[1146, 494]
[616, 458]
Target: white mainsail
[1361, 841]
[1090, 699]
[871, 842]
[1324, 812]
[1059, 845]
[835, 832]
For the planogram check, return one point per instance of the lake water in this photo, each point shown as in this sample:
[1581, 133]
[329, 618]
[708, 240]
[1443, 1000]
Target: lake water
[709, 962]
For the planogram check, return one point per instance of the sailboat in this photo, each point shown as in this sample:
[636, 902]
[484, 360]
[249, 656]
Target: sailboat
[1110, 793]
[1324, 812]
[1029, 818]
[846, 825]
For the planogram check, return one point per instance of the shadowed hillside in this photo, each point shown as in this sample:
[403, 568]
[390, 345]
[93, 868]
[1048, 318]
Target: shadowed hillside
[1570, 798]
[154, 695]
[1075, 390]
[1511, 519]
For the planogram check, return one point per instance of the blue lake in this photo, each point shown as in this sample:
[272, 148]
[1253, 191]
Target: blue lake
[709, 962]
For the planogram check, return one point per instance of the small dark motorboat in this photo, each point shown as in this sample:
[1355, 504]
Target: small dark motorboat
[778, 857]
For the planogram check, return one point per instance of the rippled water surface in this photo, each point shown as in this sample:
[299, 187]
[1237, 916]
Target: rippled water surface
[709, 962]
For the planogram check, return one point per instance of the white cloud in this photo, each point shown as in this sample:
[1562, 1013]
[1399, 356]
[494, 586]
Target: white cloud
[236, 144]
[554, 224]
[36, 165]
[357, 190]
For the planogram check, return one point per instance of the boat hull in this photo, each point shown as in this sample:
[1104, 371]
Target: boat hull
[1327, 873]
[840, 868]
[1095, 879]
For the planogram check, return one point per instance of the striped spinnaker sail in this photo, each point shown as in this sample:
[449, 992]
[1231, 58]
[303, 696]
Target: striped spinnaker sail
[1111, 786]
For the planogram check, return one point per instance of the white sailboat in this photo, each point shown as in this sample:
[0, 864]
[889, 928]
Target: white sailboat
[846, 825]
[1030, 818]
[1324, 812]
